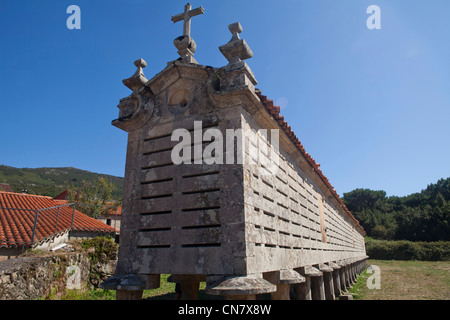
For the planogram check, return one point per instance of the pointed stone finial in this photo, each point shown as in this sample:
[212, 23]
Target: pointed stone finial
[185, 44]
[235, 29]
[138, 80]
[236, 49]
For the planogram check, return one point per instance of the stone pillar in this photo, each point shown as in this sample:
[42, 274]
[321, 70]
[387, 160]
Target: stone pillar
[131, 286]
[348, 280]
[283, 280]
[353, 273]
[327, 281]
[129, 294]
[303, 290]
[342, 275]
[188, 285]
[317, 287]
[238, 287]
[336, 278]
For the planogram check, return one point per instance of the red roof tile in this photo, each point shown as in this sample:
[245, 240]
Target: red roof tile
[17, 216]
[274, 111]
[62, 195]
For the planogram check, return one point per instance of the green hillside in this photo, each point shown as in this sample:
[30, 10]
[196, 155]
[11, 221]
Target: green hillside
[421, 216]
[52, 181]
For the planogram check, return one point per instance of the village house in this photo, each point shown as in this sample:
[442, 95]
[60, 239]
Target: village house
[40, 222]
[111, 218]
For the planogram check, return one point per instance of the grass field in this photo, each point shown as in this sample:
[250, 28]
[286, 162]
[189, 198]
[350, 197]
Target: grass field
[407, 280]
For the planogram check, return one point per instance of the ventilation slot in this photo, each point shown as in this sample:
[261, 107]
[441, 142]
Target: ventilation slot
[202, 191]
[200, 208]
[154, 229]
[158, 166]
[156, 246]
[201, 245]
[156, 181]
[201, 174]
[201, 227]
[156, 196]
[155, 213]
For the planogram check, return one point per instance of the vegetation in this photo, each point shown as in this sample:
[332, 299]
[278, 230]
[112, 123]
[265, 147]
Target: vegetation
[105, 249]
[101, 250]
[408, 250]
[361, 282]
[94, 199]
[53, 181]
[423, 216]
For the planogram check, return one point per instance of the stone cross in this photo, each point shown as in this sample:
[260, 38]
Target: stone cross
[186, 17]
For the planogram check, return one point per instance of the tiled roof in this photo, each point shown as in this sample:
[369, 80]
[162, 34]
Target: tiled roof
[62, 195]
[16, 226]
[274, 111]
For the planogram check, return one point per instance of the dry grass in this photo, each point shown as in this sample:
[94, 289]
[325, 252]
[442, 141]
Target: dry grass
[410, 280]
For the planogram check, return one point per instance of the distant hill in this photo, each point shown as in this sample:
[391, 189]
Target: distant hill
[52, 181]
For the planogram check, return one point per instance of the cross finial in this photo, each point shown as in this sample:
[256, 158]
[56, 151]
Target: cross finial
[186, 17]
[185, 44]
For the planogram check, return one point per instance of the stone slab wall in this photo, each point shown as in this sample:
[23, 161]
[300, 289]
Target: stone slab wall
[218, 219]
[290, 220]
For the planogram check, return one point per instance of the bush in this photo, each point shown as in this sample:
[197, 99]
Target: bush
[408, 250]
[105, 249]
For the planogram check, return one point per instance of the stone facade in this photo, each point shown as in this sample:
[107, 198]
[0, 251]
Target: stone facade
[243, 226]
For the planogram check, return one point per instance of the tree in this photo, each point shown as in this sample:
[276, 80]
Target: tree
[359, 199]
[421, 216]
[94, 199]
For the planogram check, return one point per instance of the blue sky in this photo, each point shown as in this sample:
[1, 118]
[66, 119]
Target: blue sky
[371, 106]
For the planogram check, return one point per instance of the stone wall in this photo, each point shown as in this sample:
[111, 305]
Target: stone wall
[291, 221]
[37, 276]
[28, 278]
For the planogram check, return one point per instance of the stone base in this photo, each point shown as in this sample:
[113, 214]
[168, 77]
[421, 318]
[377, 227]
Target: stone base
[239, 287]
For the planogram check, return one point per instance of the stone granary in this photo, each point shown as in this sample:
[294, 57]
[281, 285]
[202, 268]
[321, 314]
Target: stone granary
[219, 189]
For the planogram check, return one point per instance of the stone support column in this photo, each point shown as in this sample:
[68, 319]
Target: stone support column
[303, 290]
[283, 280]
[188, 285]
[342, 275]
[336, 278]
[238, 287]
[327, 281]
[317, 287]
[131, 286]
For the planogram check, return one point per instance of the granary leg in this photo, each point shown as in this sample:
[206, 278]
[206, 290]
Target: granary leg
[129, 294]
[303, 290]
[342, 275]
[336, 278]
[327, 281]
[188, 285]
[283, 280]
[131, 286]
[244, 287]
[347, 274]
[317, 287]
[313, 288]
[352, 271]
